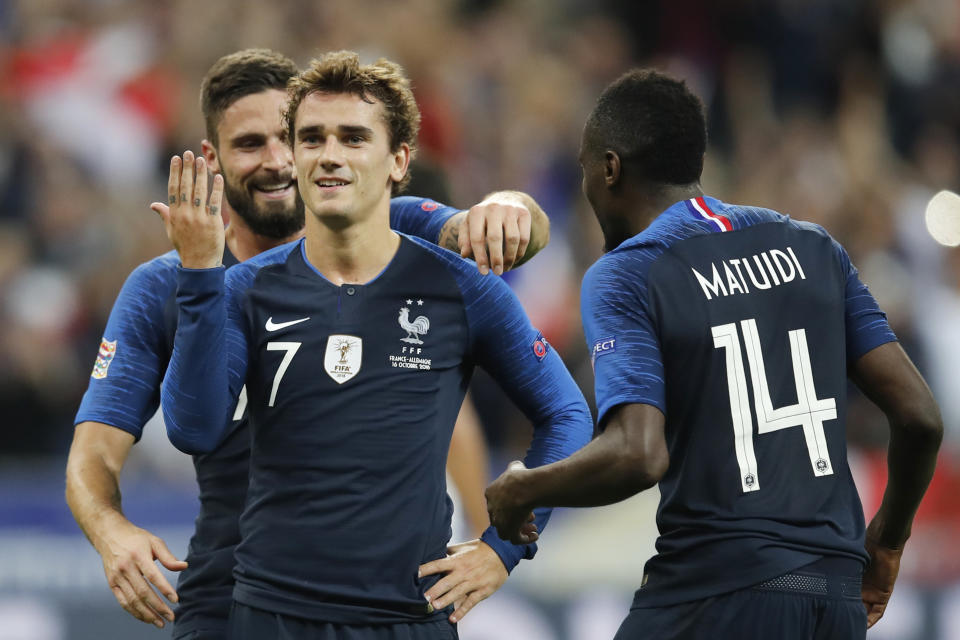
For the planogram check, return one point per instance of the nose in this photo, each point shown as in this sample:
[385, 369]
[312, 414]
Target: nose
[278, 156]
[331, 153]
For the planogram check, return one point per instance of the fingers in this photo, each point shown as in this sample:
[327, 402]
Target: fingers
[446, 590]
[186, 178]
[135, 604]
[524, 221]
[874, 613]
[216, 195]
[200, 185]
[494, 240]
[469, 603]
[435, 566]
[463, 238]
[165, 556]
[511, 238]
[476, 235]
[173, 181]
[160, 209]
[454, 589]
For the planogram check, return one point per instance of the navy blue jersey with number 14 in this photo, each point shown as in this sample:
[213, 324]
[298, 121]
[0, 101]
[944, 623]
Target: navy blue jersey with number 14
[738, 323]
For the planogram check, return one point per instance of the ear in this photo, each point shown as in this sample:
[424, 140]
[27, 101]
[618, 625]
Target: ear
[611, 169]
[210, 155]
[401, 162]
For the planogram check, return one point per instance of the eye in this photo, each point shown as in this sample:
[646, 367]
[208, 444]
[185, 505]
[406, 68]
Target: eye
[355, 139]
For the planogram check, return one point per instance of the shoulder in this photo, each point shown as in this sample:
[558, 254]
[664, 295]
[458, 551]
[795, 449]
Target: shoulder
[243, 274]
[463, 270]
[162, 269]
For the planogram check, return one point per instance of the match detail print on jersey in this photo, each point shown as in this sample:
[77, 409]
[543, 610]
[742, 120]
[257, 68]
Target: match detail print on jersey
[411, 357]
[698, 206]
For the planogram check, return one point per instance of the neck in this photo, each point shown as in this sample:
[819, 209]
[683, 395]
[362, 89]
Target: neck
[355, 252]
[646, 202]
[243, 242]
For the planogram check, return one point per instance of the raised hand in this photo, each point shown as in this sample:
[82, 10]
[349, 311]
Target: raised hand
[193, 226]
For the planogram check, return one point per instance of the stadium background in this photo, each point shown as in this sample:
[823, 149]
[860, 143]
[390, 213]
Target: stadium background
[842, 112]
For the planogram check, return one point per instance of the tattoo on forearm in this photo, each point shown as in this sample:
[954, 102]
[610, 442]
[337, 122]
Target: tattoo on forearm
[450, 236]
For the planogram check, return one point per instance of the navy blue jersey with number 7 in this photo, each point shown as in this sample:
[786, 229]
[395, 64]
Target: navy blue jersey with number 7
[353, 391]
[124, 392]
[738, 323]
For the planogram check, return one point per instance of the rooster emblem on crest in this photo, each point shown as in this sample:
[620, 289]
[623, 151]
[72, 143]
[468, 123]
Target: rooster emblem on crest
[414, 329]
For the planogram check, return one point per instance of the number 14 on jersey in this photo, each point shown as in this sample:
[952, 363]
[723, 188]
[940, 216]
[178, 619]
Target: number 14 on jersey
[809, 412]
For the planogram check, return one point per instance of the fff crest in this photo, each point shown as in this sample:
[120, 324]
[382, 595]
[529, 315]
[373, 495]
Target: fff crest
[343, 357]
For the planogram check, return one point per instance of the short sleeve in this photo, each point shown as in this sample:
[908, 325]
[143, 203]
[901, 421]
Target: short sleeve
[866, 324]
[621, 336]
[124, 388]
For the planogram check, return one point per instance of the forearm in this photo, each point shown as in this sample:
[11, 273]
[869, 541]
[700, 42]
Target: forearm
[539, 222]
[599, 474]
[195, 389]
[467, 464]
[911, 460]
[93, 495]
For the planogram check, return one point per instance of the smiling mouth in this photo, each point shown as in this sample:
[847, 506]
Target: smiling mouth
[330, 184]
[277, 190]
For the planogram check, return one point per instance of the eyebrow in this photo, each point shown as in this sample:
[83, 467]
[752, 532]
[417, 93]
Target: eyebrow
[346, 129]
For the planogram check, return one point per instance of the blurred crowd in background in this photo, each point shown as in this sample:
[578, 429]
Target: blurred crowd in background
[842, 112]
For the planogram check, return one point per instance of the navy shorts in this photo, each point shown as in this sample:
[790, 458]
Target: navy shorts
[814, 602]
[250, 623]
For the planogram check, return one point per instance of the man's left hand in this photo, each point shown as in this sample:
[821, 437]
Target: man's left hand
[473, 572]
[513, 521]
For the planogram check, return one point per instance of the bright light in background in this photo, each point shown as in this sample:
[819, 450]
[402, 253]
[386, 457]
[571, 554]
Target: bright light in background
[943, 218]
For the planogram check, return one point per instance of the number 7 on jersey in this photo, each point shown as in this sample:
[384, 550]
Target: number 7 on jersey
[809, 411]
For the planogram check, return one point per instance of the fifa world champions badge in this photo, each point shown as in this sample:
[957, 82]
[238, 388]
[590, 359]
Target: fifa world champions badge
[108, 349]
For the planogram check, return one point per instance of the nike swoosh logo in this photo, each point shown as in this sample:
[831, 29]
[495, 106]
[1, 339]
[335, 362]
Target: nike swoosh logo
[272, 326]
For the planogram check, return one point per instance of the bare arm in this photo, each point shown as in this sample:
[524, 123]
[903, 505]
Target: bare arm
[467, 464]
[503, 231]
[888, 378]
[629, 456]
[97, 455]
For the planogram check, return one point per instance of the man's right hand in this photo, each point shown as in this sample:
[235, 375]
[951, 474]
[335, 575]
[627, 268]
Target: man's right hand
[128, 554]
[195, 229]
[878, 579]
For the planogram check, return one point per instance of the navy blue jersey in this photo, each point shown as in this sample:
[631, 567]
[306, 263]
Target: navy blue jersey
[353, 393]
[738, 323]
[124, 392]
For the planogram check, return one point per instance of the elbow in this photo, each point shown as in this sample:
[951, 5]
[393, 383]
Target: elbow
[922, 423]
[643, 465]
[189, 446]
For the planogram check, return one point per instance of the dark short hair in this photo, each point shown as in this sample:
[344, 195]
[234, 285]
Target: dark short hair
[238, 75]
[341, 72]
[654, 122]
